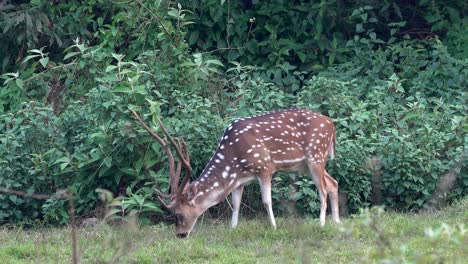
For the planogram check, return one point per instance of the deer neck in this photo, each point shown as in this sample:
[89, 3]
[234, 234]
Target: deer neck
[217, 181]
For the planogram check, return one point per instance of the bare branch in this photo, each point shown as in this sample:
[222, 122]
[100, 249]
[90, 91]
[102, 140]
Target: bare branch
[73, 226]
[59, 194]
[156, 16]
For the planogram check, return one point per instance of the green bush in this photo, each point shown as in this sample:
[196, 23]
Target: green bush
[93, 142]
[413, 122]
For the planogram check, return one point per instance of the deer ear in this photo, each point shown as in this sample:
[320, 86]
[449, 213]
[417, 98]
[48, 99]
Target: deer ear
[192, 191]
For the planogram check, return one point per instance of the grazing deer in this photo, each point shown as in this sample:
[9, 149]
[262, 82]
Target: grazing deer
[251, 149]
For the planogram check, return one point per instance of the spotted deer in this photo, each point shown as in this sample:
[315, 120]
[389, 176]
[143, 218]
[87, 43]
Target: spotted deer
[253, 148]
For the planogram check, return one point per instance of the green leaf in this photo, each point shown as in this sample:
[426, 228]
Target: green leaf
[122, 89]
[129, 171]
[252, 46]
[140, 89]
[185, 23]
[103, 171]
[62, 159]
[301, 55]
[29, 57]
[410, 116]
[36, 51]
[108, 161]
[193, 37]
[364, 41]
[334, 43]
[364, 17]
[64, 165]
[397, 10]
[81, 47]
[139, 165]
[431, 17]
[356, 12]
[400, 190]
[130, 147]
[71, 54]
[44, 61]
[359, 28]
[20, 83]
[13, 198]
[438, 26]
[110, 68]
[150, 162]
[118, 57]
[174, 13]
[331, 59]
[216, 62]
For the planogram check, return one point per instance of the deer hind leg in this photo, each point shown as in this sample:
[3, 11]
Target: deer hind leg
[265, 188]
[236, 202]
[332, 187]
[317, 173]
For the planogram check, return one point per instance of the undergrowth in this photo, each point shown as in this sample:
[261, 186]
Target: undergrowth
[373, 236]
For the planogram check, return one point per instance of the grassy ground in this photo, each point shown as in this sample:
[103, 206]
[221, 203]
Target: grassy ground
[370, 237]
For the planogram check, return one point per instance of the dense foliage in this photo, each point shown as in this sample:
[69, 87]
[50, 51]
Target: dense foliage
[391, 75]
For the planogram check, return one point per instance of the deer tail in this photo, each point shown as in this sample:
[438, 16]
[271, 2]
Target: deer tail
[332, 147]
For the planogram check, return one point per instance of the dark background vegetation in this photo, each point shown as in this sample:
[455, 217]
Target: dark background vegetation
[391, 74]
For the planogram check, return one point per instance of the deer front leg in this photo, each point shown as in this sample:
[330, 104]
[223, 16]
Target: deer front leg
[265, 188]
[236, 201]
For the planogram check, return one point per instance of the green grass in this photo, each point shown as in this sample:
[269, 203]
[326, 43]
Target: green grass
[359, 239]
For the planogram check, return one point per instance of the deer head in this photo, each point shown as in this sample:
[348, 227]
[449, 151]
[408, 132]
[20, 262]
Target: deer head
[296, 140]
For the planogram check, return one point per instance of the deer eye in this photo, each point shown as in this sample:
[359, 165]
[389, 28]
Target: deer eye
[180, 220]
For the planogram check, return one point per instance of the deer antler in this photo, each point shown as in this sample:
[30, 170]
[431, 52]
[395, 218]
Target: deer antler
[182, 151]
[184, 159]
